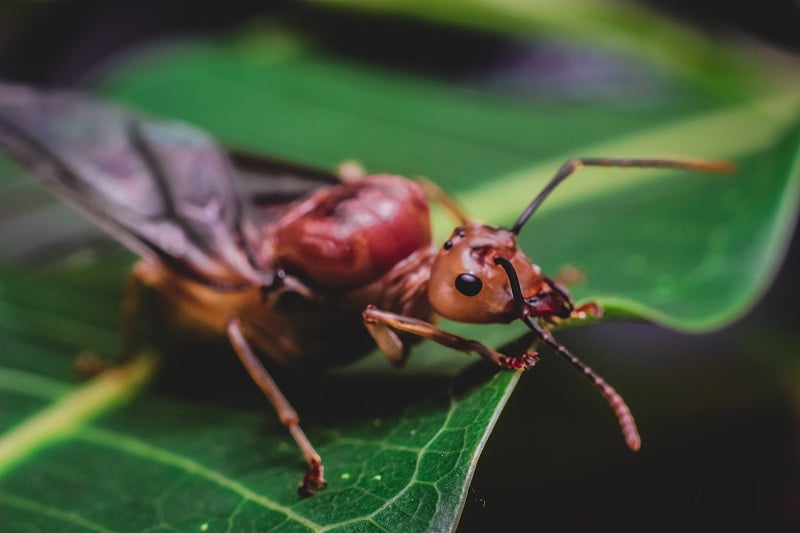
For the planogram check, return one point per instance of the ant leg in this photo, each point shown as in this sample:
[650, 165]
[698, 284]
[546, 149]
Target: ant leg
[569, 275]
[314, 480]
[437, 194]
[135, 286]
[384, 325]
[350, 171]
[89, 364]
[586, 310]
[389, 342]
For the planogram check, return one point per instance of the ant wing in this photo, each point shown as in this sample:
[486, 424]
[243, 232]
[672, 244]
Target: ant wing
[267, 186]
[164, 189]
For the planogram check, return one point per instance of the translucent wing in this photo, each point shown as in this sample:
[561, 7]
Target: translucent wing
[164, 189]
[267, 185]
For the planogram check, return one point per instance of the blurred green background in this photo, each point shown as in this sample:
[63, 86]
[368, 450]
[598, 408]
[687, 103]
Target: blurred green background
[718, 412]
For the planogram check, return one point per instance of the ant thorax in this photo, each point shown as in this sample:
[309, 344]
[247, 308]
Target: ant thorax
[404, 289]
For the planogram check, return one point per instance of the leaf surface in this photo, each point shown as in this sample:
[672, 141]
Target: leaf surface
[198, 450]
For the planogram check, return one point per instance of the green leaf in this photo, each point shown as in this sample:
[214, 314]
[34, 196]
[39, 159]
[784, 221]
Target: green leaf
[627, 28]
[198, 449]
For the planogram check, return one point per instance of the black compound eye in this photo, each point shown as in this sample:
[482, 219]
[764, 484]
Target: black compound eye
[448, 244]
[468, 284]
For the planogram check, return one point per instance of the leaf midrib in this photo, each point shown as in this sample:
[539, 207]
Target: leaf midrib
[695, 137]
[71, 411]
[74, 406]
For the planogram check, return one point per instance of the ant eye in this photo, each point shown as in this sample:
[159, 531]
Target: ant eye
[447, 244]
[468, 285]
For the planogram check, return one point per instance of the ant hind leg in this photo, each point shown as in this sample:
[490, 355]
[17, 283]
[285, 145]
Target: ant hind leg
[314, 479]
[88, 363]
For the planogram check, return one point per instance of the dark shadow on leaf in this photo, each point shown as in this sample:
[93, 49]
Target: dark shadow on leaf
[204, 370]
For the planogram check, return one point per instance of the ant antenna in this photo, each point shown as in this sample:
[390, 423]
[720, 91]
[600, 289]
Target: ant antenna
[621, 409]
[572, 165]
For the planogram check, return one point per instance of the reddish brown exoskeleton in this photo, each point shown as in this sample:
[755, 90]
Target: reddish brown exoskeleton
[287, 259]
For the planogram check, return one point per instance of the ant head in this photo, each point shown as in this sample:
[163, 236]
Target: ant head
[467, 285]
[480, 276]
[469, 280]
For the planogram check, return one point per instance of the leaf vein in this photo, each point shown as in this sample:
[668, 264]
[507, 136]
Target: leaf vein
[68, 414]
[33, 506]
[23, 382]
[133, 446]
[420, 453]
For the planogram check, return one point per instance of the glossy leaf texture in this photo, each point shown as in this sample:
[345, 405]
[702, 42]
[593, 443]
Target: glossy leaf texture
[196, 449]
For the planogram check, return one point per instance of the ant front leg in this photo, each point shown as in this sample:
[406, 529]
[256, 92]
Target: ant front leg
[570, 275]
[384, 327]
[589, 309]
[314, 480]
[556, 305]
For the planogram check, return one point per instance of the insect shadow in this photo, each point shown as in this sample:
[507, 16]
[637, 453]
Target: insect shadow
[201, 369]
